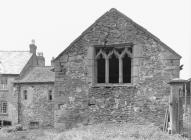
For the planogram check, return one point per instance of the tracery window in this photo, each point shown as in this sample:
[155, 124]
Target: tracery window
[113, 64]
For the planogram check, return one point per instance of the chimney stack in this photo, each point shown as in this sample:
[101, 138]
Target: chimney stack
[41, 59]
[52, 61]
[33, 47]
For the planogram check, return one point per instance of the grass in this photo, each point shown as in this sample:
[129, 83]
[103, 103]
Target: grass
[116, 132]
[97, 132]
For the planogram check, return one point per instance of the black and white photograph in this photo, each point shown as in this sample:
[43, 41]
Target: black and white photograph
[95, 70]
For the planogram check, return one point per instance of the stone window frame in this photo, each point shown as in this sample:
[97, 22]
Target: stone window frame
[135, 62]
[107, 58]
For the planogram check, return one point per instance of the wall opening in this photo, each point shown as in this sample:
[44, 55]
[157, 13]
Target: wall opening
[101, 69]
[6, 123]
[50, 95]
[126, 69]
[113, 69]
[113, 64]
[34, 125]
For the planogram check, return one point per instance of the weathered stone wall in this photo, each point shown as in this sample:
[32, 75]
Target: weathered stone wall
[111, 104]
[37, 107]
[153, 66]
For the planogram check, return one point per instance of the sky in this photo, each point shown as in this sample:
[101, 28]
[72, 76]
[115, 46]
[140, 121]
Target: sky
[54, 24]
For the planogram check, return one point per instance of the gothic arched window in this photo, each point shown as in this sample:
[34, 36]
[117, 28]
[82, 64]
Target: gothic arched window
[113, 64]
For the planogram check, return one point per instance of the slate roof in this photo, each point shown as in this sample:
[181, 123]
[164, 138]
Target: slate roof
[13, 62]
[126, 18]
[38, 75]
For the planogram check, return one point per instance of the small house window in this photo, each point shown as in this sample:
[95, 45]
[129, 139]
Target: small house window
[25, 94]
[4, 107]
[34, 125]
[3, 83]
[7, 123]
[50, 95]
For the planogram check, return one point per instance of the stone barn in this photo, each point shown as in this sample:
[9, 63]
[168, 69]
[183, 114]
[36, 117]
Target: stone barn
[115, 71]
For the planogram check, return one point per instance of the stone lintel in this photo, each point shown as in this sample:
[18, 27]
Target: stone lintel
[177, 81]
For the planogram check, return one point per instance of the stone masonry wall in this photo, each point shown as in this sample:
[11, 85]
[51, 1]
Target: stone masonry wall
[37, 107]
[11, 98]
[146, 97]
[111, 104]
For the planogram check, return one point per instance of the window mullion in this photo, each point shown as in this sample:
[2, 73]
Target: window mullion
[107, 70]
[120, 70]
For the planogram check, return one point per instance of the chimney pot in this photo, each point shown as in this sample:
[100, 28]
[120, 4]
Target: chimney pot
[52, 63]
[40, 53]
[33, 47]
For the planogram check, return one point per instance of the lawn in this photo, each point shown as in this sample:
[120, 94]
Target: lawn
[96, 132]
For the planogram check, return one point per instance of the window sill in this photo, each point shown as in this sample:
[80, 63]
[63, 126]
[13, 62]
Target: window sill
[3, 114]
[113, 85]
[4, 89]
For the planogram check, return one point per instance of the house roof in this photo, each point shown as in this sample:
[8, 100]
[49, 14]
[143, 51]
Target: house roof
[13, 62]
[129, 20]
[38, 75]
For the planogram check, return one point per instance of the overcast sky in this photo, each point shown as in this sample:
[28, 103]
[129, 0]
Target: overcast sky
[54, 24]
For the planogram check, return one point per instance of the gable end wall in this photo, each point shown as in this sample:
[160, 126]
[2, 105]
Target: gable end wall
[146, 98]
